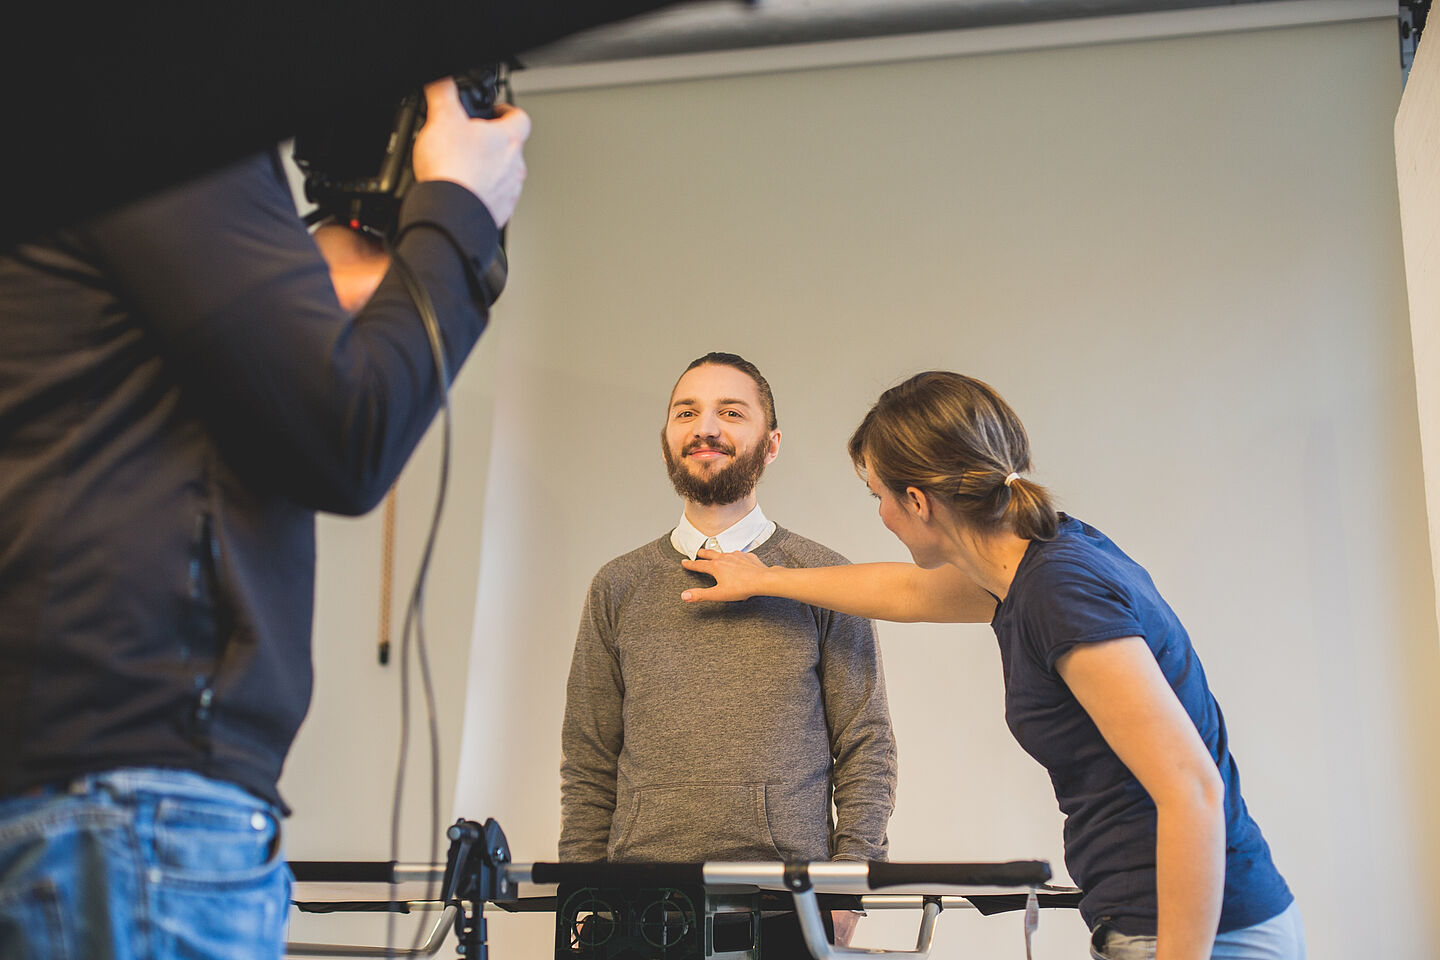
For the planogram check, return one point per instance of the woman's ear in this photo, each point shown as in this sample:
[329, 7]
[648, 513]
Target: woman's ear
[918, 502]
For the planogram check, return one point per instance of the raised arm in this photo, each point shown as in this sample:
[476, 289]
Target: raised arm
[900, 592]
[232, 294]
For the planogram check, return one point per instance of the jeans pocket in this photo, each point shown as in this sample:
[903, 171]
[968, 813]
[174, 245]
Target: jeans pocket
[230, 921]
[214, 843]
[219, 880]
[31, 925]
[1107, 943]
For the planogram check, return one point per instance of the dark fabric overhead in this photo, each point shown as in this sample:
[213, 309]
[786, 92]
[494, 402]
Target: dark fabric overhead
[108, 102]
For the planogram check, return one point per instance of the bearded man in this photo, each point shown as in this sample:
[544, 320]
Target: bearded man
[701, 732]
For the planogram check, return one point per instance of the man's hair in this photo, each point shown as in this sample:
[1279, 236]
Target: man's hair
[716, 358]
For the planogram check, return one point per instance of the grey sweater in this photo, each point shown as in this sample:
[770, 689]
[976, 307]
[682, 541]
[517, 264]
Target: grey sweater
[716, 731]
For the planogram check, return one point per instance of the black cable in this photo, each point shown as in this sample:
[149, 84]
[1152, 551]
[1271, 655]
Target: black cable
[415, 615]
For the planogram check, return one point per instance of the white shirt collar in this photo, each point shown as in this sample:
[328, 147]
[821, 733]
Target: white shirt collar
[745, 534]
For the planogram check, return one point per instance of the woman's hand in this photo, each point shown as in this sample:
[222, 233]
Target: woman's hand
[738, 576]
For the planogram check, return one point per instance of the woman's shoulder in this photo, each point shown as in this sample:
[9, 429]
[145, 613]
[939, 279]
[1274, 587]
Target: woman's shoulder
[1072, 589]
[1079, 567]
[1077, 551]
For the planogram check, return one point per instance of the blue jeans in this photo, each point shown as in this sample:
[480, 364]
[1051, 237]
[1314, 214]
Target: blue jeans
[1282, 937]
[142, 864]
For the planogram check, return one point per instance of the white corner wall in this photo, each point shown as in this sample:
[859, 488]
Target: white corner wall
[1180, 260]
[1417, 161]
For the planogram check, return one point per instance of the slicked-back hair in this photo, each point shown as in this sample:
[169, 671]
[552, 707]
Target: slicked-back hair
[716, 358]
[955, 438]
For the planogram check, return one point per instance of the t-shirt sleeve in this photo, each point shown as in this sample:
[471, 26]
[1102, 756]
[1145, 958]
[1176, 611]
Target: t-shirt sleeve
[1067, 603]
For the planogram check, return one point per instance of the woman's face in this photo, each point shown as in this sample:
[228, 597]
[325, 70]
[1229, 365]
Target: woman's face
[902, 518]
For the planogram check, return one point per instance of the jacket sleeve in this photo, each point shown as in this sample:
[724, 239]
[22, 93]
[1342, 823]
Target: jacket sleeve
[862, 743]
[304, 399]
[592, 734]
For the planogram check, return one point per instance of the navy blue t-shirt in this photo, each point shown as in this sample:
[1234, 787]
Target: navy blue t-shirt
[1081, 588]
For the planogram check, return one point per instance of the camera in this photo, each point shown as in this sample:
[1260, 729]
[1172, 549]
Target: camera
[357, 169]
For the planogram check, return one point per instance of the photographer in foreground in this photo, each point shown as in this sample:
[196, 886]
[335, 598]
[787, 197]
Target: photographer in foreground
[180, 391]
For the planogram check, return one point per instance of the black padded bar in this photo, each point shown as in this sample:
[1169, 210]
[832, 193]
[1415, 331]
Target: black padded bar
[351, 906]
[772, 900]
[783, 900]
[528, 905]
[343, 871]
[1016, 873]
[989, 904]
[603, 874]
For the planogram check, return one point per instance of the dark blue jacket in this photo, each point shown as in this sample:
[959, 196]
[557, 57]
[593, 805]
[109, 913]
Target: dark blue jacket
[179, 393]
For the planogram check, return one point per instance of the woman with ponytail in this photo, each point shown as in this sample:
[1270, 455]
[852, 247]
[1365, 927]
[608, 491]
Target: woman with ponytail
[1102, 684]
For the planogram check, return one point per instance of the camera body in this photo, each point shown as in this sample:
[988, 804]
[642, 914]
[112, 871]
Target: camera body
[357, 169]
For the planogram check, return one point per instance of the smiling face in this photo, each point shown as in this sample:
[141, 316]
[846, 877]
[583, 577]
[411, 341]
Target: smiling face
[717, 439]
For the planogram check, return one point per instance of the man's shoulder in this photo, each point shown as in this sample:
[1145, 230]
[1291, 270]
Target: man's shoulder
[641, 561]
[787, 548]
[801, 551]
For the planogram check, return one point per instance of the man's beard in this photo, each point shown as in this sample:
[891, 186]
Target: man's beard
[726, 485]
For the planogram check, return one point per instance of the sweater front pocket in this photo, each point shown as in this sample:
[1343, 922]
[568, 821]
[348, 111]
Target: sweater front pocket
[693, 822]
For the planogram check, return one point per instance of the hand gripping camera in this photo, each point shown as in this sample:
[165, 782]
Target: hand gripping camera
[358, 169]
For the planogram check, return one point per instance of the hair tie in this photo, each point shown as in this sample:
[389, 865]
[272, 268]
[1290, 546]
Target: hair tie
[1011, 479]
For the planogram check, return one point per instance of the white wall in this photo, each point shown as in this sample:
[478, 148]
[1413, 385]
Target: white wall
[1417, 161]
[1179, 260]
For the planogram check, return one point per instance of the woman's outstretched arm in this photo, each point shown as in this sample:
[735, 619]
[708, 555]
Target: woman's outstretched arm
[900, 592]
